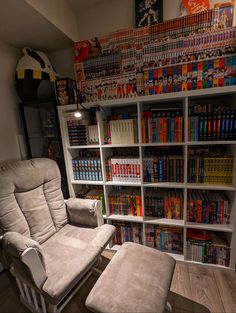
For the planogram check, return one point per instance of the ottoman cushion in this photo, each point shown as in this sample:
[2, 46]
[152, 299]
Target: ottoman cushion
[137, 279]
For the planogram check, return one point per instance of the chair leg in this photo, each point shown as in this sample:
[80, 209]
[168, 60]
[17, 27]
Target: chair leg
[53, 308]
[168, 307]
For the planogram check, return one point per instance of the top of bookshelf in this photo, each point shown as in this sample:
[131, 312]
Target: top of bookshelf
[174, 96]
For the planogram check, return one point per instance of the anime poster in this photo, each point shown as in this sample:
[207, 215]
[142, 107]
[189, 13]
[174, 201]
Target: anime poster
[195, 6]
[148, 12]
[225, 16]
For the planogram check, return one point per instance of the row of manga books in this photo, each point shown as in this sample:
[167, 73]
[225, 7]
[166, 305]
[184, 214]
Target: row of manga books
[122, 169]
[125, 202]
[189, 76]
[128, 232]
[208, 207]
[164, 238]
[217, 124]
[206, 247]
[87, 169]
[163, 169]
[164, 203]
[214, 169]
[162, 126]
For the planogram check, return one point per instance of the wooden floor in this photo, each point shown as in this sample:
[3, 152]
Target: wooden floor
[210, 289]
[194, 289]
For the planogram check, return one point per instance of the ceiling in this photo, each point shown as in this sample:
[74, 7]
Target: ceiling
[21, 25]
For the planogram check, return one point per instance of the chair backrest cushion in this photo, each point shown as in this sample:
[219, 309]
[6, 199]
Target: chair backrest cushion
[31, 200]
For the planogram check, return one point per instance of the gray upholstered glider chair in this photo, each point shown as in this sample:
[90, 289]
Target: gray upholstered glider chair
[53, 244]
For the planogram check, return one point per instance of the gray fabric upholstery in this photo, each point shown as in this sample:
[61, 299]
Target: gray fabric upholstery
[69, 254]
[137, 279]
[15, 244]
[84, 212]
[31, 200]
[33, 214]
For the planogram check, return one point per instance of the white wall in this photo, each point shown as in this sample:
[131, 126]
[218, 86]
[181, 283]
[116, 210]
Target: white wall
[59, 13]
[105, 17]
[10, 125]
[63, 61]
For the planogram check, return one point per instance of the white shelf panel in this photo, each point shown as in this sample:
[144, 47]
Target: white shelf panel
[215, 227]
[164, 185]
[125, 145]
[125, 218]
[86, 182]
[211, 187]
[217, 142]
[165, 221]
[83, 147]
[206, 264]
[176, 256]
[116, 183]
[161, 144]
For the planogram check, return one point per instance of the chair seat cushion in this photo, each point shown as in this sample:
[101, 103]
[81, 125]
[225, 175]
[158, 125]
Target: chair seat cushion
[137, 279]
[69, 254]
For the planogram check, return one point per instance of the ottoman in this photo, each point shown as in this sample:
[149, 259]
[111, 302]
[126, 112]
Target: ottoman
[137, 279]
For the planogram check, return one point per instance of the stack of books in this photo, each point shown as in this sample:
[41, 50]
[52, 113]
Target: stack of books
[122, 169]
[87, 168]
[77, 133]
[80, 132]
[186, 53]
[163, 169]
[208, 123]
[210, 167]
[208, 207]
[164, 203]
[206, 247]
[162, 126]
[165, 238]
[126, 231]
[125, 202]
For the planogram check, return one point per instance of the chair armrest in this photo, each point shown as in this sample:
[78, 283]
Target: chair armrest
[85, 212]
[27, 251]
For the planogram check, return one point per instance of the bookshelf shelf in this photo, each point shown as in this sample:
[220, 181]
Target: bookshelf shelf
[127, 218]
[86, 182]
[114, 183]
[164, 185]
[164, 221]
[218, 142]
[182, 100]
[121, 145]
[83, 147]
[213, 227]
[210, 187]
[162, 144]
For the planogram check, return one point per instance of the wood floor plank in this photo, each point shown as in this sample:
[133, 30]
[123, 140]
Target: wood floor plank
[180, 282]
[204, 289]
[226, 282]
[200, 269]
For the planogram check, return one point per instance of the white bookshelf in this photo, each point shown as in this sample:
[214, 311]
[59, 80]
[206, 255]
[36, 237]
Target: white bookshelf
[139, 103]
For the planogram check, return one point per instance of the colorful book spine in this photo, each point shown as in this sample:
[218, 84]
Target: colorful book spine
[164, 204]
[126, 231]
[127, 202]
[208, 207]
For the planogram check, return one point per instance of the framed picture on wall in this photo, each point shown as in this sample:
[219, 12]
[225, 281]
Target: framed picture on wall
[148, 12]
